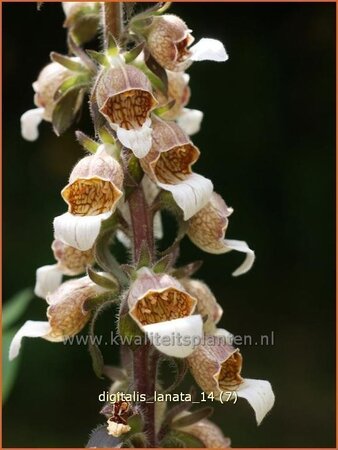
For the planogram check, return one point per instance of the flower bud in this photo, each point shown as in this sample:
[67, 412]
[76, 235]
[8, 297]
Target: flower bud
[216, 367]
[155, 298]
[45, 87]
[117, 429]
[66, 316]
[168, 41]
[169, 165]
[207, 305]
[179, 91]
[124, 97]
[71, 261]
[207, 432]
[207, 229]
[94, 185]
[82, 20]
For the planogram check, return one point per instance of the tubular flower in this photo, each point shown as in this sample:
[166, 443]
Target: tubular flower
[92, 194]
[207, 432]
[45, 87]
[216, 368]
[124, 97]
[207, 305]
[178, 90]
[169, 41]
[169, 165]
[65, 313]
[163, 310]
[207, 230]
[70, 261]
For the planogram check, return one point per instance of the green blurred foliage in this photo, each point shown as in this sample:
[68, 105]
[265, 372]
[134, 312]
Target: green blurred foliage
[268, 143]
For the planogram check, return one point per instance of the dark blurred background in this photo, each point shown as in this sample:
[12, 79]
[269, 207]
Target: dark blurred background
[268, 143]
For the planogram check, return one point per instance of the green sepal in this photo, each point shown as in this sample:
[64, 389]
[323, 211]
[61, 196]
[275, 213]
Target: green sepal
[105, 136]
[165, 108]
[72, 82]
[98, 57]
[104, 282]
[129, 329]
[144, 259]
[193, 417]
[91, 304]
[66, 110]
[130, 271]
[87, 143]
[132, 54]
[188, 270]
[163, 264]
[68, 62]
[112, 47]
[156, 69]
[156, 81]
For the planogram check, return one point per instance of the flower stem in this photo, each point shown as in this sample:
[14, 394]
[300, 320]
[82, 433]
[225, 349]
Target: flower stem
[112, 20]
[141, 218]
[145, 373]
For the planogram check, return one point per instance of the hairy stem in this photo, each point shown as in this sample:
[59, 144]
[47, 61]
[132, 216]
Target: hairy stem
[145, 373]
[142, 223]
[112, 20]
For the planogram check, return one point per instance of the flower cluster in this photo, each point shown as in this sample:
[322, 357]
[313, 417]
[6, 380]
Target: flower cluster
[140, 163]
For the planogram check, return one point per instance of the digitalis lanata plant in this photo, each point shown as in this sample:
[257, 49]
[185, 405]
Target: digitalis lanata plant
[139, 162]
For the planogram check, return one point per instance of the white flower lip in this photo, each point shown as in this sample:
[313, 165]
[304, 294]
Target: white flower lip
[259, 395]
[30, 328]
[190, 121]
[30, 121]
[178, 337]
[138, 140]
[191, 194]
[208, 49]
[48, 278]
[241, 246]
[80, 232]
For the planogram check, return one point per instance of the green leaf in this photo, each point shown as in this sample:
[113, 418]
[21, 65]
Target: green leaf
[68, 62]
[15, 307]
[9, 368]
[193, 417]
[66, 109]
[94, 350]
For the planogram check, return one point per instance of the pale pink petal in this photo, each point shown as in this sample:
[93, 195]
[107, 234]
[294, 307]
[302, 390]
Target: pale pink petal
[208, 50]
[241, 246]
[30, 121]
[138, 140]
[190, 121]
[260, 396]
